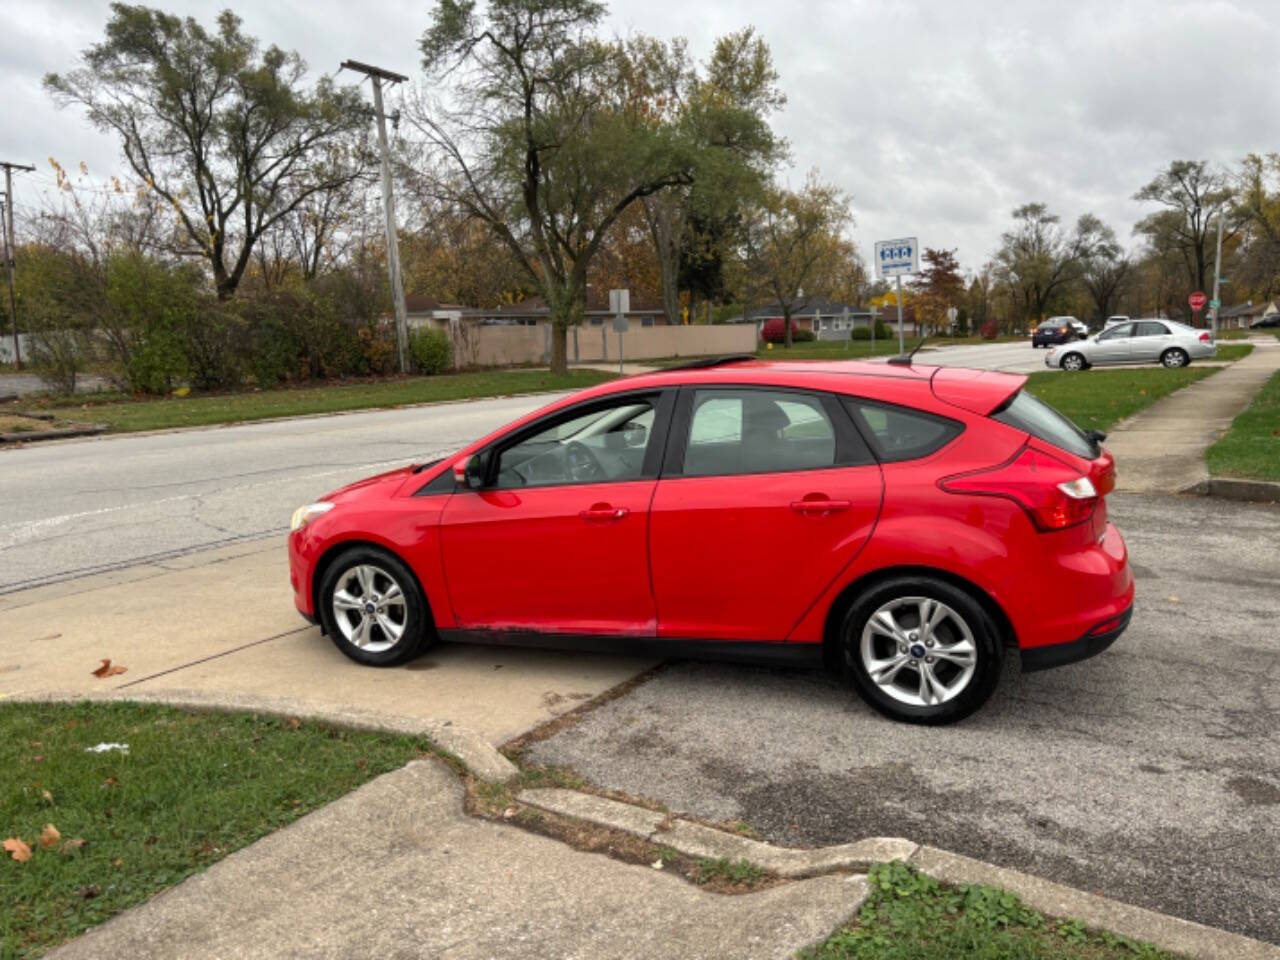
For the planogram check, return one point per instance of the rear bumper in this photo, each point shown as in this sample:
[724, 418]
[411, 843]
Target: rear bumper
[1090, 645]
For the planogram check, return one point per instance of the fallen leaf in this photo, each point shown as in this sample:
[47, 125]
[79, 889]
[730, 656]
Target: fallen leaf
[49, 836]
[110, 782]
[1173, 598]
[38, 758]
[47, 795]
[89, 892]
[508, 813]
[117, 863]
[71, 846]
[292, 723]
[17, 849]
[107, 669]
[48, 636]
[657, 864]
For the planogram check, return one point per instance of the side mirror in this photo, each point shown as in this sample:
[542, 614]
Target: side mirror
[469, 471]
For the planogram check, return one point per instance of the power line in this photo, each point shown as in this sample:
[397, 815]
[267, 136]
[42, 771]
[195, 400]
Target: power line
[10, 245]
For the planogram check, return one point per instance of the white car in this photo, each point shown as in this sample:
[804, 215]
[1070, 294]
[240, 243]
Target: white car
[1114, 319]
[1135, 341]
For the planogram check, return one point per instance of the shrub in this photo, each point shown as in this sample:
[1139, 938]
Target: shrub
[217, 347]
[774, 332]
[802, 336]
[431, 350]
[149, 303]
[59, 355]
[860, 333]
[882, 330]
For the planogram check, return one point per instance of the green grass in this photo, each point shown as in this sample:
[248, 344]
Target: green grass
[123, 415]
[910, 916]
[192, 789]
[730, 871]
[1233, 351]
[1251, 448]
[1098, 399]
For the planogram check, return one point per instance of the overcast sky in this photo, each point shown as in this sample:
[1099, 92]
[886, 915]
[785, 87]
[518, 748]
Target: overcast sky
[937, 117]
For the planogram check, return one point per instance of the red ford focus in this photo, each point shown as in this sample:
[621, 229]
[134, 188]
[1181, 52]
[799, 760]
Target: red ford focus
[895, 522]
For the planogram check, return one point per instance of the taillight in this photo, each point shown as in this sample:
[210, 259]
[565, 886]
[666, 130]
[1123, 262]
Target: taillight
[1053, 494]
[1205, 338]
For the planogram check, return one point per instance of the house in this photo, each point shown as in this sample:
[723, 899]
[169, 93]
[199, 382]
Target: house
[1244, 315]
[827, 319]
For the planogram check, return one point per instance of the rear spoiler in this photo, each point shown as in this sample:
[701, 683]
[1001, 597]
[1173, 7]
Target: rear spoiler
[978, 391]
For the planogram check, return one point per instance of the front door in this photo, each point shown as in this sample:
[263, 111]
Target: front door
[765, 497]
[1113, 344]
[556, 542]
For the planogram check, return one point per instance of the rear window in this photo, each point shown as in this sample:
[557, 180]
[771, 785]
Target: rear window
[1025, 412]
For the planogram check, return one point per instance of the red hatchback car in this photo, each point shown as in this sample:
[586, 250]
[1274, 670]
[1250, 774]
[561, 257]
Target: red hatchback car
[897, 522]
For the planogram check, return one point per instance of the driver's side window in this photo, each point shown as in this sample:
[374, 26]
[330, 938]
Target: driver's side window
[603, 445]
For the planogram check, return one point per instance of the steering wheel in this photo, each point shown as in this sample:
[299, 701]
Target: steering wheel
[582, 464]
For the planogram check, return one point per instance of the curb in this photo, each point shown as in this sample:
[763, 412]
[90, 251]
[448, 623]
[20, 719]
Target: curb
[89, 430]
[480, 757]
[1231, 488]
[1053, 899]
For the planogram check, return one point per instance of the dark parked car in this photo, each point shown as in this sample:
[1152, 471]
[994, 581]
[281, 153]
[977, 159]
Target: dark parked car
[1266, 322]
[1053, 332]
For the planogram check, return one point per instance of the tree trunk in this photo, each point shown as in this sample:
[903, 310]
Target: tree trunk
[559, 347]
[786, 326]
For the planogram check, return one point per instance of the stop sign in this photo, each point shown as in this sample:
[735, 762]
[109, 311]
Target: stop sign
[1197, 301]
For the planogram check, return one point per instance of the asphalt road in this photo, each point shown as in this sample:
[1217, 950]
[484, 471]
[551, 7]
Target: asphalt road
[76, 507]
[1150, 774]
[1009, 357]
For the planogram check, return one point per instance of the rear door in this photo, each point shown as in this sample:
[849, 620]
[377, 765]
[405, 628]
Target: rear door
[1150, 338]
[766, 496]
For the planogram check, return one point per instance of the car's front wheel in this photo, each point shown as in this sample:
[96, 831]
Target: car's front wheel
[1174, 358]
[372, 608]
[921, 650]
[1073, 361]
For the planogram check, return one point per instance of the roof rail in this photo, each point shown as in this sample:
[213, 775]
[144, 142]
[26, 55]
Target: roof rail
[704, 362]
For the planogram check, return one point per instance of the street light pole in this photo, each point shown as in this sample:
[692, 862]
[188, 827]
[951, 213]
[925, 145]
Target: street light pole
[376, 75]
[1217, 279]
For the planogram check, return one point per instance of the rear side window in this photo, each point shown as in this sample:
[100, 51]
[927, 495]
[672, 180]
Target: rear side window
[1150, 329]
[756, 431]
[900, 434]
[1025, 412]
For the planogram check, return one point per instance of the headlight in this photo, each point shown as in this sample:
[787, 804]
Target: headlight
[304, 515]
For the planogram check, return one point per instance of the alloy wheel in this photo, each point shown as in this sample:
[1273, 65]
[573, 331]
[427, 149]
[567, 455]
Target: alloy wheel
[919, 651]
[369, 608]
[1073, 361]
[1174, 359]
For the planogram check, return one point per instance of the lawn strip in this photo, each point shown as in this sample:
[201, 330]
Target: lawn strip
[911, 916]
[192, 788]
[198, 410]
[1098, 399]
[1251, 448]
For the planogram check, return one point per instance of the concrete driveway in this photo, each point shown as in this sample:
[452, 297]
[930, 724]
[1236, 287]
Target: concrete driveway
[1150, 774]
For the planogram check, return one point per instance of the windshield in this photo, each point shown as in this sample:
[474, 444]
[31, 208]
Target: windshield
[1025, 412]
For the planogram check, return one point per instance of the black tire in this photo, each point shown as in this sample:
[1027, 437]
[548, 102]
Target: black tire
[986, 642]
[1174, 358]
[1084, 364]
[413, 617]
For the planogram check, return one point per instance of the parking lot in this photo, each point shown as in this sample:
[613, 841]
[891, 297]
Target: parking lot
[1150, 774]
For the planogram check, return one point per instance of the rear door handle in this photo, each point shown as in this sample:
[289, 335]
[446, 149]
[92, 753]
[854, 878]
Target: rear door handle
[820, 506]
[603, 513]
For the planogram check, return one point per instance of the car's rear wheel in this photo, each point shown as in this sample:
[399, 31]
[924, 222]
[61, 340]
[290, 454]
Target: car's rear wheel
[372, 607]
[1174, 358]
[1073, 361]
[921, 650]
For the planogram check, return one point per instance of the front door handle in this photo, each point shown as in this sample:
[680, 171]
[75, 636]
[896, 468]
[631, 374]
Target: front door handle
[822, 506]
[603, 513]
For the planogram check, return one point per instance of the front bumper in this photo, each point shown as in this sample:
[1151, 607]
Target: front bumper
[1090, 645]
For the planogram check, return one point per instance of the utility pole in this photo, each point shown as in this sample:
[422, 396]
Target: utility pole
[1217, 279]
[10, 249]
[377, 75]
[902, 344]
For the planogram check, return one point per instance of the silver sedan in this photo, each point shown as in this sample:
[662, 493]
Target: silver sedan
[1165, 342]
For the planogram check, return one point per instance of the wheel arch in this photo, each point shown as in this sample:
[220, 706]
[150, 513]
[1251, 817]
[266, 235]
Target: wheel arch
[852, 591]
[336, 549]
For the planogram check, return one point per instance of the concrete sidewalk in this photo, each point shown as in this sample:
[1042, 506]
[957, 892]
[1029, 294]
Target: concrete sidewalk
[397, 869]
[1161, 449]
[221, 623]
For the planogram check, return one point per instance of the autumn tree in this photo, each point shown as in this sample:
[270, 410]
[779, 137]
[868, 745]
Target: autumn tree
[1257, 210]
[793, 241]
[549, 136]
[1192, 193]
[939, 285]
[227, 134]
